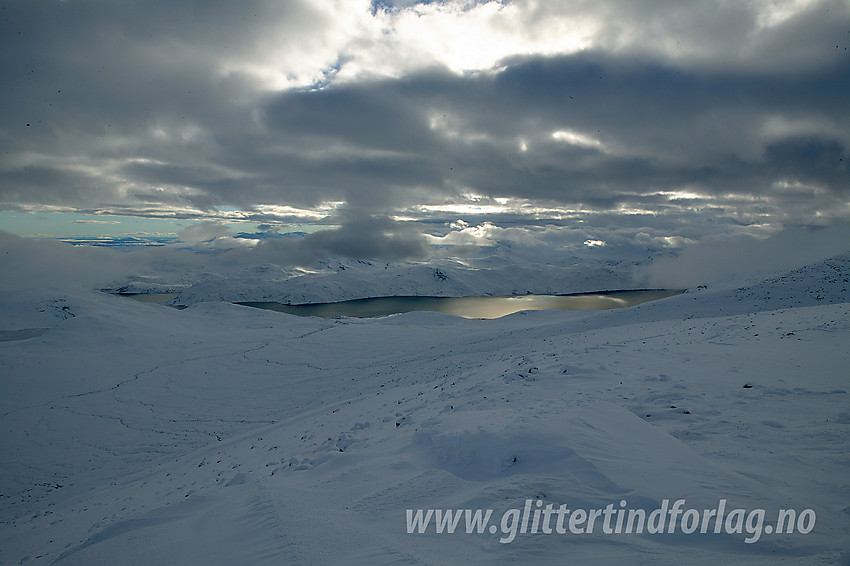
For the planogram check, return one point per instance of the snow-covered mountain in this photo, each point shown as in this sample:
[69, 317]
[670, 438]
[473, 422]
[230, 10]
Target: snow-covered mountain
[221, 434]
[343, 279]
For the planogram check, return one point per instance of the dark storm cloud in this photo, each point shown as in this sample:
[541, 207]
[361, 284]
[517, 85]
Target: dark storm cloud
[150, 107]
[361, 237]
[658, 128]
[812, 159]
[357, 234]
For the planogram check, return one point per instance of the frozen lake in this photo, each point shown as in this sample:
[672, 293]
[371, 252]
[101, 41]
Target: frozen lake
[469, 307]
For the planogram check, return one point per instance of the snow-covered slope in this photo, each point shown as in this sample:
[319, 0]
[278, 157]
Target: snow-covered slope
[343, 279]
[138, 434]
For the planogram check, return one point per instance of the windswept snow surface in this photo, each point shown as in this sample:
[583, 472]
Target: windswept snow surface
[138, 434]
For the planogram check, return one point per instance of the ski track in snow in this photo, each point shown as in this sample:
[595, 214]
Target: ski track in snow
[220, 434]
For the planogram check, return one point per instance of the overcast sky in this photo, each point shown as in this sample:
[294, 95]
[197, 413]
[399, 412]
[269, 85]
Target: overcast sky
[407, 124]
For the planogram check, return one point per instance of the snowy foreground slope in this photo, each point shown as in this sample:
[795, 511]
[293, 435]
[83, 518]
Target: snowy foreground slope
[137, 434]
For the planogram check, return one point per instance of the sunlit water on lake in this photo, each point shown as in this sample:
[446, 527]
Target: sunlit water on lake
[150, 297]
[468, 307]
